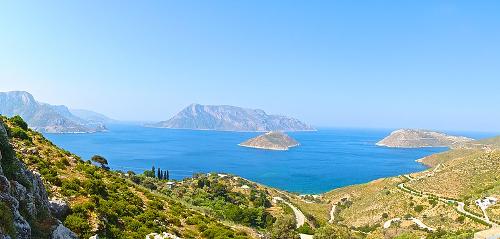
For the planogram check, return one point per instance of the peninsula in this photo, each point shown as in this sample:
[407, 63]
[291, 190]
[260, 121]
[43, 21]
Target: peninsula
[271, 141]
[416, 138]
[44, 117]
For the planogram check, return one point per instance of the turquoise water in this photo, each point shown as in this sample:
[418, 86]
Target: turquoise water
[326, 159]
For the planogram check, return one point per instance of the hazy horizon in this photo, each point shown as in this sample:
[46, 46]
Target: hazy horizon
[425, 64]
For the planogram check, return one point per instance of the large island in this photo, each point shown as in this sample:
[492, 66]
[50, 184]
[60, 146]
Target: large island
[231, 118]
[271, 141]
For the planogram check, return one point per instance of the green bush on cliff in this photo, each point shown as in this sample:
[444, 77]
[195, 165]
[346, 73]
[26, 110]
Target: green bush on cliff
[7, 220]
[19, 122]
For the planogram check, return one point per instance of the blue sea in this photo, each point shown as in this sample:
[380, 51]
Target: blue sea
[326, 159]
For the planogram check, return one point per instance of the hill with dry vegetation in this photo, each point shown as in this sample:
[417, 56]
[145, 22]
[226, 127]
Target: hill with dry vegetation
[436, 203]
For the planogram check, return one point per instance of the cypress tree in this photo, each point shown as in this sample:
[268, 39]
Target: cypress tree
[153, 171]
[159, 173]
[167, 177]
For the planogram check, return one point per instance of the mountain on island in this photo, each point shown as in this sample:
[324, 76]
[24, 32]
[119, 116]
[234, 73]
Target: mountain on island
[44, 117]
[416, 138]
[271, 141]
[231, 118]
[92, 117]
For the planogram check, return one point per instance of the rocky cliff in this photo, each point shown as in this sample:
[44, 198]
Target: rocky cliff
[413, 138]
[44, 117]
[271, 141]
[24, 204]
[231, 118]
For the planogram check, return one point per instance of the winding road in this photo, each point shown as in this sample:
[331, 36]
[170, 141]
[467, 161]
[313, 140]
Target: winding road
[332, 213]
[299, 216]
[460, 205]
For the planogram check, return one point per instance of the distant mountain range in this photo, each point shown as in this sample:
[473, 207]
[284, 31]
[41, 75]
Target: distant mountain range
[48, 118]
[231, 118]
[416, 138]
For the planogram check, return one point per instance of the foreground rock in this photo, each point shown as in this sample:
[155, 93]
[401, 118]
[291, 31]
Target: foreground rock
[162, 236]
[24, 205]
[59, 208]
[413, 138]
[271, 141]
[231, 118]
[61, 232]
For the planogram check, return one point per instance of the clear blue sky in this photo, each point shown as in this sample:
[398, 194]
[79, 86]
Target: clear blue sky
[427, 64]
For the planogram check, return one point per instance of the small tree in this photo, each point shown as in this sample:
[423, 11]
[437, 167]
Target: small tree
[284, 228]
[159, 173]
[153, 171]
[100, 160]
[332, 232]
[167, 176]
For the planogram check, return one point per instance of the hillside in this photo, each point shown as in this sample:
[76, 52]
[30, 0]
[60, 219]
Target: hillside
[109, 203]
[44, 117]
[24, 203]
[231, 118]
[439, 198]
[271, 141]
[127, 205]
[415, 138]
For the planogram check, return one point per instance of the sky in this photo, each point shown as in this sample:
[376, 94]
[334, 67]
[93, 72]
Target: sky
[372, 64]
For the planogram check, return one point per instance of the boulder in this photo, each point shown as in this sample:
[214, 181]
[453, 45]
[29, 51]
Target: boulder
[58, 208]
[62, 232]
[164, 235]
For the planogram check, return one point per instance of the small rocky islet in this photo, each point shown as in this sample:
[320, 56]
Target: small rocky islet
[271, 141]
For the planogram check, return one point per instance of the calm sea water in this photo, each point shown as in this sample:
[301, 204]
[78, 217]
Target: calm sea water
[326, 159]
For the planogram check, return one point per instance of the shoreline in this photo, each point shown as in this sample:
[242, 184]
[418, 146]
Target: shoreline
[238, 131]
[275, 149]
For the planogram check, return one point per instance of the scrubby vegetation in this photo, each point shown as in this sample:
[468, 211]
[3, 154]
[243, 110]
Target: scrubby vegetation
[226, 200]
[6, 220]
[118, 205]
[105, 202]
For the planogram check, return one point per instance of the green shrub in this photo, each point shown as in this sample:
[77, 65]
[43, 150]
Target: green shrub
[305, 229]
[332, 232]
[78, 224]
[19, 122]
[7, 220]
[418, 208]
[19, 133]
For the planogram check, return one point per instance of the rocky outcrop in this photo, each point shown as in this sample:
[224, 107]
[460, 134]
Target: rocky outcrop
[59, 208]
[271, 141]
[44, 117]
[164, 235]
[231, 118]
[23, 198]
[61, 232]
[413, 138]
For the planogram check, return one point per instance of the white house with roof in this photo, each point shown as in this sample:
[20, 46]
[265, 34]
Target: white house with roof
[485, 202]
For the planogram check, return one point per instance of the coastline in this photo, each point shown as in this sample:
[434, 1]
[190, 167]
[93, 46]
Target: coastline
[222, 130]
[275, 149]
